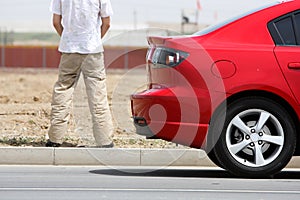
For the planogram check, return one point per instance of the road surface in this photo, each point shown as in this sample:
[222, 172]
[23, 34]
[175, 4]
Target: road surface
[135, 183]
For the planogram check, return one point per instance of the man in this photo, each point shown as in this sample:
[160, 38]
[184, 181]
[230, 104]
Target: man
[81, 25]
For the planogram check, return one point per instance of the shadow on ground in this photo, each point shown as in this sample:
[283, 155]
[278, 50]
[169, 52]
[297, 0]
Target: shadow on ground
[185, 173]
[165, 173]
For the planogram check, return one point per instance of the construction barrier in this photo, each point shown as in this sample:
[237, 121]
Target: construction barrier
[48, 57]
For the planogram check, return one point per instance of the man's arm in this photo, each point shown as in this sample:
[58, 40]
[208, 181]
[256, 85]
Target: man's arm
[105, 25]
[57, 24]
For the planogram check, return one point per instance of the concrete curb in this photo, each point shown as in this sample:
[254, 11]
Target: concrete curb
[111, 157]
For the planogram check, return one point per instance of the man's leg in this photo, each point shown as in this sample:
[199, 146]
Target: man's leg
[69, 72]
[95, 80]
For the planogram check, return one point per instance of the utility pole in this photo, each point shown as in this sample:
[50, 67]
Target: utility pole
[5, 41]
[183, 21]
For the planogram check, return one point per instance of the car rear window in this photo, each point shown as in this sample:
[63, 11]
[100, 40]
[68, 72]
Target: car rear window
[230, 20]
[285, 30]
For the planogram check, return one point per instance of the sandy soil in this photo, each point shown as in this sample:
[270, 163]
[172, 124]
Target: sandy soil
[25, 105]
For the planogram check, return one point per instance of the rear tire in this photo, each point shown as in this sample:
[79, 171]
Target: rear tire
[257, 139]
[212, 156]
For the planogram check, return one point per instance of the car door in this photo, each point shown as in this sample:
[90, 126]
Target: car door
[286, 34]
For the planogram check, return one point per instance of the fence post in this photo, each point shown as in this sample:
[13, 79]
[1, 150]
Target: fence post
[44, 54]
[3, 56]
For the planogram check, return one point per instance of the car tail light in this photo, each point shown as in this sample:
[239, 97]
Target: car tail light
[166, 57]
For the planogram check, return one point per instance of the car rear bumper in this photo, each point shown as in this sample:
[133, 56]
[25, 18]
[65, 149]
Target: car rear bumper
[162, 115]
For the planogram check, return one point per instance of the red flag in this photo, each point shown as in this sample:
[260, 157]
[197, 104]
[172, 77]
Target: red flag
[199, 7]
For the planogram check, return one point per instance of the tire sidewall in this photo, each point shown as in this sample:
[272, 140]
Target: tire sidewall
[235, 167]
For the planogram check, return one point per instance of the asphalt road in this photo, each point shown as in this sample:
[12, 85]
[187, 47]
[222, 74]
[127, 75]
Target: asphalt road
[33, 182]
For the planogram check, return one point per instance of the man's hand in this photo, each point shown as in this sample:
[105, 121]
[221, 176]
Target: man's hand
[105, 26]
[57, 24]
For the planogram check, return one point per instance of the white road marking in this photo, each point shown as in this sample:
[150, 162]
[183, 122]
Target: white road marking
[152, 190]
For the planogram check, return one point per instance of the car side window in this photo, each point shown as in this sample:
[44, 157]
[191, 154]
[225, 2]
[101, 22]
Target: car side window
[285, 29]
[297, 26]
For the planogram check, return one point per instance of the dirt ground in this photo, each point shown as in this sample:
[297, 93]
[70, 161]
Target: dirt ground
[25, 106]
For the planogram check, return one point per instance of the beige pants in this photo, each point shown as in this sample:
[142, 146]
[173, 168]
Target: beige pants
[92, 68]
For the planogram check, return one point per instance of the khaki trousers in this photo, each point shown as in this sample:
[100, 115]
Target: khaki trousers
[92, 68]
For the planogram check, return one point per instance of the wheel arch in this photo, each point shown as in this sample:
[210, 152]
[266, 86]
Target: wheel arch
[271, 96]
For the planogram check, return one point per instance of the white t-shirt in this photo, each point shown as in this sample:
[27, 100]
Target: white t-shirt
[81, 20]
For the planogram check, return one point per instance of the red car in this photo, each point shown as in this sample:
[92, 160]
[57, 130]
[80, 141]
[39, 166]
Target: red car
[232, 89]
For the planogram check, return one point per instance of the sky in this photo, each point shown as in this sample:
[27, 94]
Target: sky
[34, 15]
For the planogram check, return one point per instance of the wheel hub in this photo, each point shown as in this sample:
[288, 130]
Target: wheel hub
[252, 137]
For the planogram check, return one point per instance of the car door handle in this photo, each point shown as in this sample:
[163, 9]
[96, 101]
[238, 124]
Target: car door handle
[294, 65]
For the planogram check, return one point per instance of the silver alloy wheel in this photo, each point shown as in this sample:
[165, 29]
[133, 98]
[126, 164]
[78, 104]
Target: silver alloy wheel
[254, 138]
